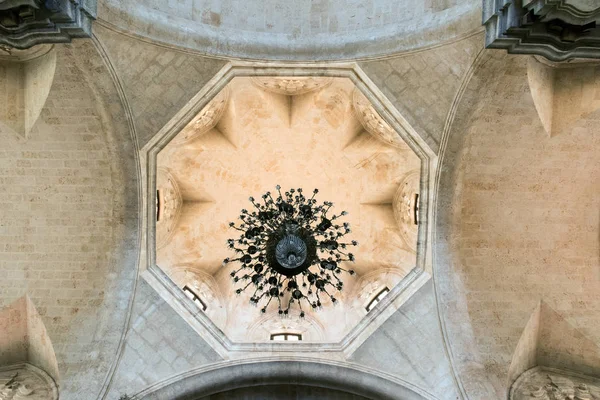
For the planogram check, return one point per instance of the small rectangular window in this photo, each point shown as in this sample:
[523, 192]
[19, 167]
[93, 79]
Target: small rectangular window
[157, 205]
[377, 298]
[290, 337]
[194, 297]
[416, 209]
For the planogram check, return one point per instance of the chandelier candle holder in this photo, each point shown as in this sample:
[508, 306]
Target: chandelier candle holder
[290, 251]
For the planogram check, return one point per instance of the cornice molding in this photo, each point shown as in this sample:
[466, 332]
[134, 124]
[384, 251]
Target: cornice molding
[553, 29]
[26, 23]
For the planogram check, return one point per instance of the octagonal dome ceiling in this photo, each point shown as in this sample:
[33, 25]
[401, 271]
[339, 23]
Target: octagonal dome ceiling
[299, 133]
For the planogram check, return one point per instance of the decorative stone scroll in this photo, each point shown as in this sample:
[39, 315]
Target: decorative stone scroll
[26, 382]
[292, 86]
[25, 23]
[169, 202]
[556, 29]
[542, 383]
[205, 120]
[404, 204]
[373, 123]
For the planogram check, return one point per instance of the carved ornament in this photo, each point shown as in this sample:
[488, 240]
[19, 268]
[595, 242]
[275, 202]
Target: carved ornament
[169, 202]
[291, 86]
[542, 383]
[272, 323]
[205, 120]
[405, 201]
[373, 123]
[26, 382]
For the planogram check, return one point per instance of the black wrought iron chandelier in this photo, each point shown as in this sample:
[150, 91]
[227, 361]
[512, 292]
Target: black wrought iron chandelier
[290, 251]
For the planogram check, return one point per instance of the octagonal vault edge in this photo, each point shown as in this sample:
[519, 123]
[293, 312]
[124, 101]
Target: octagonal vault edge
[390, 303]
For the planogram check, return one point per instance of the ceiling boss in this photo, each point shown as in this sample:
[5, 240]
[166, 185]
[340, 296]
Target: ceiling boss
[290, 251]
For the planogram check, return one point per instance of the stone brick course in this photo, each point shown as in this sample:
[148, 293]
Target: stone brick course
[157, 81]
[63, 227]
[525, 214]
[158, 345]
[409, 345]
[423, 85]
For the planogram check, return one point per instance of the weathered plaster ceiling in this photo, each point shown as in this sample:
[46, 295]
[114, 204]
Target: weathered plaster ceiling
[258, 29]
[297, 132]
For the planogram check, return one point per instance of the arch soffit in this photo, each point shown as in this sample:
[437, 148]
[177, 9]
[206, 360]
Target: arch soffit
[223, 376]
[438, 26]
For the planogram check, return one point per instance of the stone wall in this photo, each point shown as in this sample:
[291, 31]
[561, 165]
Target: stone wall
[410, 345]
[159, 344]
[63, 223]
[157, 82]
[518, 222]
[518, 217]
[423, 85]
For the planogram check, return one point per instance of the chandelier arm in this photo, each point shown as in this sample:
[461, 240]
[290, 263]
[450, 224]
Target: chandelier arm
[286, 234]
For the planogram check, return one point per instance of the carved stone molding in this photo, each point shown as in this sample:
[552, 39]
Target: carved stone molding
[25, 23]
[373, 123]
[574, 12]
[291, 86]
[556, 29]
[248, 372]
[405, 201]
[169, 206]
[543, 383]
[26, 382]
[205, 120]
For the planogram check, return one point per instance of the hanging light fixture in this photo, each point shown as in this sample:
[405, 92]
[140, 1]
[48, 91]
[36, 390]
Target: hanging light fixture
[290, 251]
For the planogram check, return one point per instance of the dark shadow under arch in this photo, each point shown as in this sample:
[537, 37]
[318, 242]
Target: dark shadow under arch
[279, 392]
[228, 376]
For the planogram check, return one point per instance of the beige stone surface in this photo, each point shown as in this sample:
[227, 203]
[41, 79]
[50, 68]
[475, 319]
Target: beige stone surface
[25, 82]
[159, 344]
[522, 223]
[24, 338]
[516, 245]
[563, 93]
[300, 133]
[63, 228]
[409, 345]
